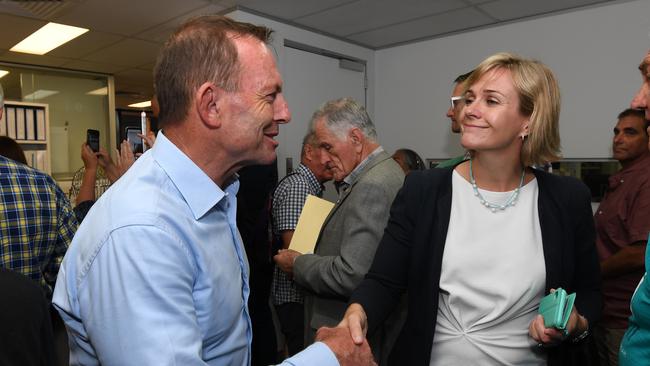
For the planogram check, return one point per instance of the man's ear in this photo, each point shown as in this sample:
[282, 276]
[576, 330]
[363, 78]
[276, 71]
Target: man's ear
[208, 100]
[357, 137]
[309, 151]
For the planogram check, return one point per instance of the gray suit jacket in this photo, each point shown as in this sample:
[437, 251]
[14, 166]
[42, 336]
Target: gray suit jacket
[347, 242]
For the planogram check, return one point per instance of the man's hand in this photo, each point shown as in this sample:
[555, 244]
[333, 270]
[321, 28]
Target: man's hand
[89, 157]
[347, 353]
[285, 258]
[125, 158]
[148, 139]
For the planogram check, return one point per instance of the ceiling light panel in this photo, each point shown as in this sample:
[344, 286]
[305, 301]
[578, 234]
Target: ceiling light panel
[47, 38]
[141, 104]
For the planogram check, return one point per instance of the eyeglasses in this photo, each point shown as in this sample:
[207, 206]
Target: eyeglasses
[455, 101]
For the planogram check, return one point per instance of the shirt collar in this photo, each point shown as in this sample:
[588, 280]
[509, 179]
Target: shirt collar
[356, 172]
[311, 178]
[642, 163]
[199, 191]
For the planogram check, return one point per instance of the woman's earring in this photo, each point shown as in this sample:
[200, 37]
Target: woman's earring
[522, 137]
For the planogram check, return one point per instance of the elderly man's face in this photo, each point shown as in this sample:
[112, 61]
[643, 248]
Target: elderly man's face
[642, 98]
[318, 164]
[253, 113]
[340, 155]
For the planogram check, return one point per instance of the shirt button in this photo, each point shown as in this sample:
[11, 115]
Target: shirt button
[622, 180]
[600, 212]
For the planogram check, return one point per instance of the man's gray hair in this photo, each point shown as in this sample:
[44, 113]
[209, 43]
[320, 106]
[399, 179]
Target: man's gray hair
[341, 115]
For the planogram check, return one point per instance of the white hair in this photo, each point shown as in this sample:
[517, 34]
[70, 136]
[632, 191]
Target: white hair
[341, 115]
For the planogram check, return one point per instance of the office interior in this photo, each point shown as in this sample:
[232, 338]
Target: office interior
[398, 58]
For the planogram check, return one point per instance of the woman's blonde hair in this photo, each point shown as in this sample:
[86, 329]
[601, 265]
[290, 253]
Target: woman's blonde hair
[539, 100]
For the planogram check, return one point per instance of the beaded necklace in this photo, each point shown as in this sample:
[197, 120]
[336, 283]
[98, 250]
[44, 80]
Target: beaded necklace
[512, 200]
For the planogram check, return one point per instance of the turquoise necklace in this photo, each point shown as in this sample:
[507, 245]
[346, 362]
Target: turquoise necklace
[512, 200]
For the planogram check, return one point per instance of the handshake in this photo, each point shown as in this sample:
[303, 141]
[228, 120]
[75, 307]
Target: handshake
[348, 342]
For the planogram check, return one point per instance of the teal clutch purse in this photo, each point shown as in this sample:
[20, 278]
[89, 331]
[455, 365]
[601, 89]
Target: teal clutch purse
[555, 308]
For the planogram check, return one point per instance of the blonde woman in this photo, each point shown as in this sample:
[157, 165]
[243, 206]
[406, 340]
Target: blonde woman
[478, 245]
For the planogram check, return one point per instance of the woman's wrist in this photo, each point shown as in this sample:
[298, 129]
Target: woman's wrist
[581, 330]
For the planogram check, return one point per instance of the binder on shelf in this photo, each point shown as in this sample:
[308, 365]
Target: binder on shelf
[30, 129]
[40, 124]
[11, 122]
[20, 123]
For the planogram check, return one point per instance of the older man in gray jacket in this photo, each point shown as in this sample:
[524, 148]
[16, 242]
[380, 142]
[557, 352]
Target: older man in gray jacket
[368, 181]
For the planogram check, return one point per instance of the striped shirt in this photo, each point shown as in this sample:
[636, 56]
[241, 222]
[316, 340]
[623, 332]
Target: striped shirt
[36, 223]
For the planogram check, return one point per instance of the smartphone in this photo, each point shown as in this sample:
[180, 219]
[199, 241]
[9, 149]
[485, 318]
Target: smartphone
[133, 138]
[92, 139]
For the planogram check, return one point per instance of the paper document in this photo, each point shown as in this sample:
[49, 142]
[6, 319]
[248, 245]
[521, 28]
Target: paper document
[311, 219]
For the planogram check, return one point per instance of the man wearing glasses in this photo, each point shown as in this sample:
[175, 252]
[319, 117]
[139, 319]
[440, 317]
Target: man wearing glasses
[452, 112]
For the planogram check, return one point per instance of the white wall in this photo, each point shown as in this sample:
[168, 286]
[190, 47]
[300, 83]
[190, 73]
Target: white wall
[290, 140]
[593, 52]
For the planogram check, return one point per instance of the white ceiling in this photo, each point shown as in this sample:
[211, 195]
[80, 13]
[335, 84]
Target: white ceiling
[125, 35]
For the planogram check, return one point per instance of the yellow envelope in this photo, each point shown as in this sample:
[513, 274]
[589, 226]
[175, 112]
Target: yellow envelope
[311, 219]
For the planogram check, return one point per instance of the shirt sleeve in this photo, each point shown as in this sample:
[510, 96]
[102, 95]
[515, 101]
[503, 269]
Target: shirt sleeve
[67, 227]
[316, 354]
[140, 287]
[287, 206]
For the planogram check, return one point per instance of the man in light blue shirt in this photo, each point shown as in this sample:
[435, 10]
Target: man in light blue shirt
[157, 273]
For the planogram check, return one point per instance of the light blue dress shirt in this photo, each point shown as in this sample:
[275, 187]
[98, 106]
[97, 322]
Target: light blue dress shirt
[157, 273]
[316, 354]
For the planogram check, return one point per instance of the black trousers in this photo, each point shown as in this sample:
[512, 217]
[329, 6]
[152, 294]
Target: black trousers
[291, 316]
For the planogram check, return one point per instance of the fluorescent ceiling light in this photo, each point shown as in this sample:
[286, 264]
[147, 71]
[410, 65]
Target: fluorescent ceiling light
[100, 91]
[3, 73]
[141, 104]
[40, 94]
[49, 37]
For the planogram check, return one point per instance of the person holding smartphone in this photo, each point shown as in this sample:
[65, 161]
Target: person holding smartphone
[92, 161]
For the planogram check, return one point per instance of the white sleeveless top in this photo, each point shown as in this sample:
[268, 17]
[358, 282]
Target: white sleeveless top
[493, 278]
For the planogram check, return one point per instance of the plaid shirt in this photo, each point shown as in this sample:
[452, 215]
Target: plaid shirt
[36, 223]
[288, 199]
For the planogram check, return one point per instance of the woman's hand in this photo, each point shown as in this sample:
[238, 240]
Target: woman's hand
[356, 321]
[576, 325]
[542, 335]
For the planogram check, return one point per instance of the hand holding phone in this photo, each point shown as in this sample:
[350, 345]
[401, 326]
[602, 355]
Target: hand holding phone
[92, 139]
[133, 137]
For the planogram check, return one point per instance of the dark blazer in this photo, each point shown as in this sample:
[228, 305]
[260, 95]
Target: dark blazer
[26, 336]
[409, 257]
